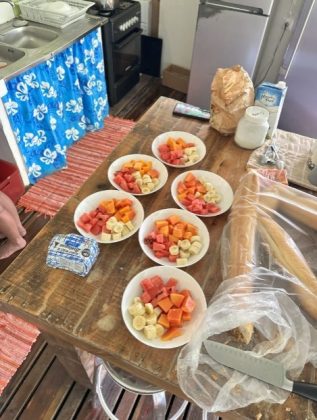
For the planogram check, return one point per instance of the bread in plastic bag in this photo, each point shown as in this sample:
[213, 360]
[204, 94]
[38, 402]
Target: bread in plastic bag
[232, 92]
[267, 302]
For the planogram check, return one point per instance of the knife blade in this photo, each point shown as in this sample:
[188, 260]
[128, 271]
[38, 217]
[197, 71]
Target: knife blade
[261, 368]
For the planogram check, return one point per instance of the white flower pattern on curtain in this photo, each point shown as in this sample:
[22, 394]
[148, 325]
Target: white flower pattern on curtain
[54, 104]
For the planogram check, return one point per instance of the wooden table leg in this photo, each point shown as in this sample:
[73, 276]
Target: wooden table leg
[73, 360]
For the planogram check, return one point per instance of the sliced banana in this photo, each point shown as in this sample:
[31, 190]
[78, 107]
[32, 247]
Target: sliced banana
[116, 236]
[155, 181]
[137, 175]
[181, 261]
[151, 319]
[129, 225]
[184, 254]
[118, 227]
[145, 190]
[137, 309]
[149, 308]
[151, 186]
[185, 244]
[159, 330]
[195, 238]
[174, 250]
[111, 222]
[150, 332]
[139, 322]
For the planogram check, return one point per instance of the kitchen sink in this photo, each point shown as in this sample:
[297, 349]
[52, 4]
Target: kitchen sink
[10, 55]
[28, 37]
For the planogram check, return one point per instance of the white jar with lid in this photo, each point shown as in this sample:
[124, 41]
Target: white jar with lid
[252, 128]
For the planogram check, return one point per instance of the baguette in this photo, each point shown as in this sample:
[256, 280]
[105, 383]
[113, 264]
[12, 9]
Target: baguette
[288, 255]
[241, 228]
[297, 205]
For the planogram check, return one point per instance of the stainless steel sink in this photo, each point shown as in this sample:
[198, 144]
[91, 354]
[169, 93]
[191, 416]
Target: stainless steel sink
[10, 55]
[28, 37]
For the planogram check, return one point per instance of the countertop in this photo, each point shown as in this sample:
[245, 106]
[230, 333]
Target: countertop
[67, 36]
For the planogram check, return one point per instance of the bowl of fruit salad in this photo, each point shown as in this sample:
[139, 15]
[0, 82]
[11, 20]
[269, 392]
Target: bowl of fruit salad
[137, 174]
[203, 193]
[109, 216]
[178, 149]
[174, 237]
[163, 306]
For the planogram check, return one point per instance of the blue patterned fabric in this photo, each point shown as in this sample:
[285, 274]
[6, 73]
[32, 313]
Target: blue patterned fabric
[54, 104]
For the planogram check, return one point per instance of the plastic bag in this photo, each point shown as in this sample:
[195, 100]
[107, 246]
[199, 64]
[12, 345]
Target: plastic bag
[267, 302]
[231, 93]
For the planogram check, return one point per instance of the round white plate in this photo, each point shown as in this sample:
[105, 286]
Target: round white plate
[156, 164]
[220, 184]
[91, 203]
[148, 226]
[188, 137]
[184, 281]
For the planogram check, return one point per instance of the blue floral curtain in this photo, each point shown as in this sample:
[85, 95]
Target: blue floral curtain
[54, 104]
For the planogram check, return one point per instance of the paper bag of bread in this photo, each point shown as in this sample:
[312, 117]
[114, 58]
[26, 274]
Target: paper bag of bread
[231, 93]
[267, 302]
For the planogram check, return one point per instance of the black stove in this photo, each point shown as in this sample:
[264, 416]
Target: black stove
[121, 37]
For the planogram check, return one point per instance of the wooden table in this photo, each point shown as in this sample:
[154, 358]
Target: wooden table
[85, 312]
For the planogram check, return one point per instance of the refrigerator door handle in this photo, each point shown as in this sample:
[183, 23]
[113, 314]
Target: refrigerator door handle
[233, 7]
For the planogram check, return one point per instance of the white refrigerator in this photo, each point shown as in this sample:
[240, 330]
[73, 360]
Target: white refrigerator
[299, 70]
[227, 33]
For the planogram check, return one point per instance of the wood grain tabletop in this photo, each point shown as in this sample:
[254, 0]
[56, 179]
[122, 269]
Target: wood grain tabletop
[85, 312]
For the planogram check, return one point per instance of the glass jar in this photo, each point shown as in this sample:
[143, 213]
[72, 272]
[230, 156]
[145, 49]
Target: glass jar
[252, 128]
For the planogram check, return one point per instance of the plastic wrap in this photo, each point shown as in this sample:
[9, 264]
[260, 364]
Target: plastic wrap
[231, 93]
[267, 302]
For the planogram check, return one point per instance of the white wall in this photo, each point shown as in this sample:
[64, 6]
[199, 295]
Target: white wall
[177, 26]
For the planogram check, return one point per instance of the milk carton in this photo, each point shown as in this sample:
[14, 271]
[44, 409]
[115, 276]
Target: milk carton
[271, 97]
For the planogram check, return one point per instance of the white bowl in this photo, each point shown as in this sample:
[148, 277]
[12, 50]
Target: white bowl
[188, 137]
[91, 203]
[184, 281]
[148, 226]
[156, 164]
[220, 184]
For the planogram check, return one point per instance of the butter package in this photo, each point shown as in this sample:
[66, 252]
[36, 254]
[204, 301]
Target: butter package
[271, 97]
[72, 252]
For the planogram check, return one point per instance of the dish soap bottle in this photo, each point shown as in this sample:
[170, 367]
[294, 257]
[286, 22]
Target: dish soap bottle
[252, 128]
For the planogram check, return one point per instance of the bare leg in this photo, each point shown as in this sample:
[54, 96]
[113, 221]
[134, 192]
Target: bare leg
[9, 229]
[9, 205]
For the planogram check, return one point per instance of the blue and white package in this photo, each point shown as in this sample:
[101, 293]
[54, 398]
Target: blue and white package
[271, 97]
[72, 252]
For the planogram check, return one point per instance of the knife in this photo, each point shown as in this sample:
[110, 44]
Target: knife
[261, 368]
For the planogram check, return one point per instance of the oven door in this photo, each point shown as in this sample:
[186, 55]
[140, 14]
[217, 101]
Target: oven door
[127, 54]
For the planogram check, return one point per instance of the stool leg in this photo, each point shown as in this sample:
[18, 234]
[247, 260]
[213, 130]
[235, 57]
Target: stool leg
[159, 401]
[100, 395]
[180, 411]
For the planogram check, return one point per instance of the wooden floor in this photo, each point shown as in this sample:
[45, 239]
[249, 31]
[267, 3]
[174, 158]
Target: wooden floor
[41, 388]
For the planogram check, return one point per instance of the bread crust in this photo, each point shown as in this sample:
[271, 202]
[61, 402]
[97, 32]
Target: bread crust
[288, 255]
[242, 228]
[297, 205]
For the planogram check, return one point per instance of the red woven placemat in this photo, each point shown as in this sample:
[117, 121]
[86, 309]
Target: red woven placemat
[47, 197]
